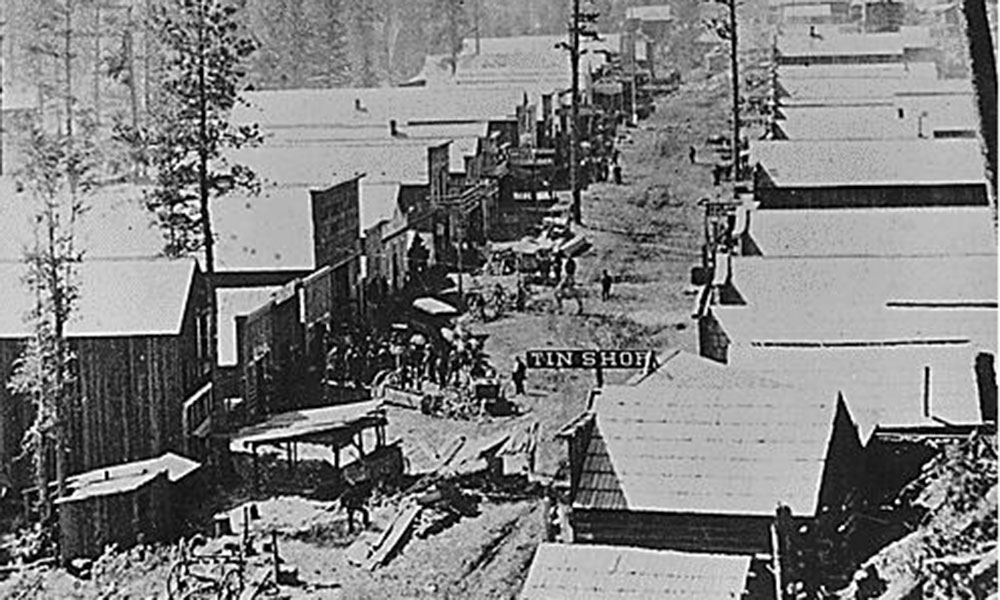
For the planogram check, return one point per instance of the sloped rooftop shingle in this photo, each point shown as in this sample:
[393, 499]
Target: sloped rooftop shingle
[730, 449]
[882, 384]
[868, 281]
[874, 232]
[125, 297]
[833, 163]
[586, 572]
[127, 477]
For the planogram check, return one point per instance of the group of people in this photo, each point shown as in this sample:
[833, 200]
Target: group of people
[355, 364]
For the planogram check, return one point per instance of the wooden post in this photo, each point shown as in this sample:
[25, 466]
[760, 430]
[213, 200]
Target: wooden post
[776, 558]
[274, 555]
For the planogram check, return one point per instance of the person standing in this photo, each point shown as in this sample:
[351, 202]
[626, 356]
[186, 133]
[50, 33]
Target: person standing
[518, 375]
[692, 153]
[605, 286]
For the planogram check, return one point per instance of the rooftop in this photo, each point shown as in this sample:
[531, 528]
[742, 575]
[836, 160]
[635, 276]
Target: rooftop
[514, 63]
[882, 385]
[303, 425]
[273, 230]
[836, 163]
[126, 297]
[116, 225]
[660, 12]
[874, 232]
[738, 448]
[827, 283]
[866, 44]
[585, 572]
[128, 477]
[398, 161]
[375, 107]
[866, 90]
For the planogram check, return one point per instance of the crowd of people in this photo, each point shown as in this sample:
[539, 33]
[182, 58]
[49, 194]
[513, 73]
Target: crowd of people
[451, 360]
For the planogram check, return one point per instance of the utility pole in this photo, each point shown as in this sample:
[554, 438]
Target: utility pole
[577, 29]
[734, 57]
[574, 61]
[130, 62]
[97, 63]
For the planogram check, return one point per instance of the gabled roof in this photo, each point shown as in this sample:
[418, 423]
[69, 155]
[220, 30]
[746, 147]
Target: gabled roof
[837, 163]
[882, 385]
[318, 166]
[275, 110]
[514, 63]
[116, 224]
[862, 71]
[127, 297]
[827, 282]
[871, 44]
[586, 572]
[874, 231]
[732, 449]
[909, 118]
[127, 477]
[841, 90]
[845, 123]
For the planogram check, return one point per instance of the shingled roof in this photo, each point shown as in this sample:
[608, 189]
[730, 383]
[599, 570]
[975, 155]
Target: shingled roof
[586, 572]
[691, 445]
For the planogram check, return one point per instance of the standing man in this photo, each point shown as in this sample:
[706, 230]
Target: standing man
[518, 375]
[692, 153]
[605, 286]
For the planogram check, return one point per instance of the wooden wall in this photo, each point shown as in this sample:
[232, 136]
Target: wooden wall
[871, 196]
[87, 526]
[127, 395]
[726, 534]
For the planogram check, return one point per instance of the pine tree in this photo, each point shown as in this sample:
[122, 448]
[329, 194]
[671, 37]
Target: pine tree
[205, 52]
[60, 172]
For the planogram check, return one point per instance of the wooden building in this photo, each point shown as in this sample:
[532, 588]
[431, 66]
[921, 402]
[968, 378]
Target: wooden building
[872, 173]
[697, 457]
[139, 334]
[125, 504]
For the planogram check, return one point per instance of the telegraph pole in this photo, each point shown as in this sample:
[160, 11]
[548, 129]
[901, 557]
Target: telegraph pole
[734, 57]
[574, 61]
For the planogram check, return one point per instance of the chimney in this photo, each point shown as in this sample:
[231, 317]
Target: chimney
[986, 380]
[393, 130]
[900, 113]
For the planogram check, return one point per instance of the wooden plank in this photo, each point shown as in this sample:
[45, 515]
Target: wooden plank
[393, 537]
[255, 583]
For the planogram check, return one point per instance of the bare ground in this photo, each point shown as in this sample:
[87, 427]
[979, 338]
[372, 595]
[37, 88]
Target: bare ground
[646, 233]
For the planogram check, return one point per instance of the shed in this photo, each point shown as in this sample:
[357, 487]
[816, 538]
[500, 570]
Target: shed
[124, 504]
[597, 572]
[697, 457]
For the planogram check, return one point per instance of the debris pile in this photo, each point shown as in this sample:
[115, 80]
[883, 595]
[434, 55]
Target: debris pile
[447, 493]
[951, 551]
